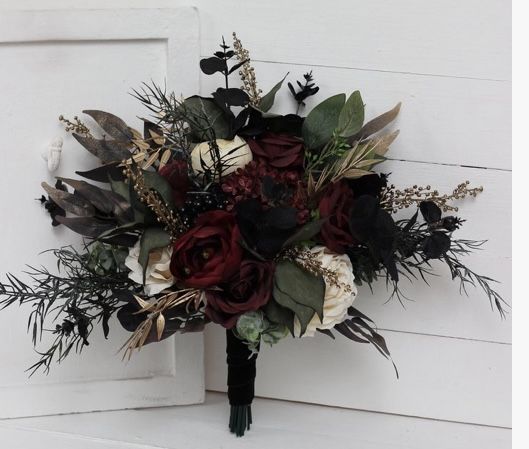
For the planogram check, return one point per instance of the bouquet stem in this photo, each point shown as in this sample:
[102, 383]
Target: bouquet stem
[241, 380]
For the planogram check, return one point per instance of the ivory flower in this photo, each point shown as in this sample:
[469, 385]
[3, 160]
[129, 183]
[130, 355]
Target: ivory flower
[158, 276]
[233, 153]
[338, 298]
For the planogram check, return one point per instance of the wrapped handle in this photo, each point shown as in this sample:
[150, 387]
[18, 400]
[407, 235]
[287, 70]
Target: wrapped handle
[241, 382]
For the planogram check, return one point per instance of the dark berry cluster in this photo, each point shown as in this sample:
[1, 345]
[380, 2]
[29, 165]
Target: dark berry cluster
[197, 203]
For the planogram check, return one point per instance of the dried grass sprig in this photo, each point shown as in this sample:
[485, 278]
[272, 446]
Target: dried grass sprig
[152, 199]
[247, 72]
[394, 199]
[354, 163]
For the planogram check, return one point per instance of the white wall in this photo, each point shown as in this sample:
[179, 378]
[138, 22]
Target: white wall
[449, 62]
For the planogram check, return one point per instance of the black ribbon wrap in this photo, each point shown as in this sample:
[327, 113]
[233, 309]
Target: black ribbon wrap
[241, 381]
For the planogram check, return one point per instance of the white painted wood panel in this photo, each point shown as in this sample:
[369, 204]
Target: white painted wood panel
[277, 424]
[443, 119]
[469, 38]
[440, 378]
[60, 62]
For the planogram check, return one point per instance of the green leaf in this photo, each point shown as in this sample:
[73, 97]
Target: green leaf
[279, 315]
[120, 188]
[319, 125]
[300, 291]
[151, 239]
[267, 101]
[157, 182]
[351, 116]
[202, 114]
[306, 232]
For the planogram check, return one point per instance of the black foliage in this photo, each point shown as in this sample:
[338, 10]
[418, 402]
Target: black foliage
[177, 319]
[52, 207]
[259, 123]
[104, 173]
[375, 228]
[75, 300]
[305, 90]
[436, 245]
[371, 184]
[265, 231]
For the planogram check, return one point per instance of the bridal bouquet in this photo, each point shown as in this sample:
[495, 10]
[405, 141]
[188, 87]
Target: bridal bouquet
[221, 211]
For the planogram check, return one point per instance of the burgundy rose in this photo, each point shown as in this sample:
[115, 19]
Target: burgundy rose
[176, 174]
[335, 205]
[248, 290]
[278, 150]
[209, 253]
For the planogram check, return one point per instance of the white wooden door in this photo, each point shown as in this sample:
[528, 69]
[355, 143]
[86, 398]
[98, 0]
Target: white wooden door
[449, 64]
[60, 62]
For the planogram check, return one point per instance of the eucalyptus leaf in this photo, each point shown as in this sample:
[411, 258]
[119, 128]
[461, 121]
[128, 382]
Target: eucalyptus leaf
[378, 123]
[267, 101]
[299, 290]
[111, 124]
[303, 313]
[306, 232]
[351, 116]
[86, 226]
[206, 114]
[104, 173]
[106, 150]
[279, 315]
[152, 238]
[70, 202]
[104, 200]
[318, 127]
[157, 182]
[212, 65]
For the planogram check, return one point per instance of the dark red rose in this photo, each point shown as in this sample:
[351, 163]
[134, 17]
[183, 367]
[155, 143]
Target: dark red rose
[335, 205]
[176, 174]
[248, 290]
[278, 150]
[209, 253]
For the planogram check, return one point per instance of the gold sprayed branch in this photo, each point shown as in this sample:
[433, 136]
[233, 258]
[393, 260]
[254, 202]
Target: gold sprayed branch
[247, 72]
[394, 199]
[152, 199]
[155, 316]
[77, 126]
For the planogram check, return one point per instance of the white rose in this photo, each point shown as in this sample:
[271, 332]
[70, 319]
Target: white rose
[233, 154]
[158, 276]
[338, 298]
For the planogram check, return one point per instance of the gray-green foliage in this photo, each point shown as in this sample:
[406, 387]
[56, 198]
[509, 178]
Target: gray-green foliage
[254, 327]
[106, 259]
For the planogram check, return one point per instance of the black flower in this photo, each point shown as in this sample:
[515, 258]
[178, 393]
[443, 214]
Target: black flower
[265, 230]
[374, 227]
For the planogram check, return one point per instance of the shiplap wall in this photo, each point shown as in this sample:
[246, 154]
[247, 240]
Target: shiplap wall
[449, 62]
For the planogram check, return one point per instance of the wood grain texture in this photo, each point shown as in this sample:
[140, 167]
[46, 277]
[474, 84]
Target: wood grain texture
[468, 38]
[440, 378]
[278, 424]
[442, 120]
[60, 62]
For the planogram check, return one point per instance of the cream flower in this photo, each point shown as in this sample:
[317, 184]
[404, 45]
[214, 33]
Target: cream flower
[338, 298]
[233, 153]
[158, 275]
